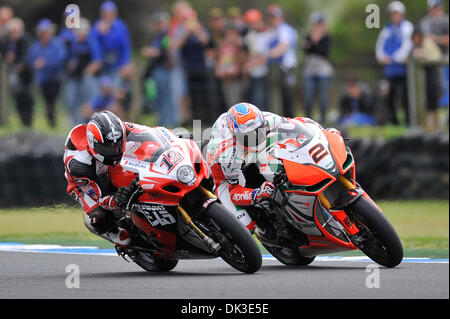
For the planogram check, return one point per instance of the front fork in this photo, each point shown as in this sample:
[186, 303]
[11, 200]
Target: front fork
[215, 247]
[338, 212]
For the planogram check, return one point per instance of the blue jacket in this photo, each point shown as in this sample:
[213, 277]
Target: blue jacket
[54, 54]
[101, 102]
[113, 48]
[395, 42]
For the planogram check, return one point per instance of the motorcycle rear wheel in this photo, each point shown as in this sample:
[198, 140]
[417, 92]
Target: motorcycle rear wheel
[238, 248]
[151, 264]
[381, 242]
[289, 256]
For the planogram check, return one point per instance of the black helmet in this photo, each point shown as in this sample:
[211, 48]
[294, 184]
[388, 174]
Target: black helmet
[106, 136]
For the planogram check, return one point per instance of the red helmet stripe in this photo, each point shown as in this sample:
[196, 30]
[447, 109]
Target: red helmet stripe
[95, 130]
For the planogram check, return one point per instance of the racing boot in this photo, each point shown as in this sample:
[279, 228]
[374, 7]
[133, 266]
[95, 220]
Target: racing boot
[121, 237]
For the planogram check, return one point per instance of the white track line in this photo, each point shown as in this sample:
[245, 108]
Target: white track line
[90, 250]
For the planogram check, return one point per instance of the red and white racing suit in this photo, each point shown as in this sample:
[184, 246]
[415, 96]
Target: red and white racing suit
[88, 182]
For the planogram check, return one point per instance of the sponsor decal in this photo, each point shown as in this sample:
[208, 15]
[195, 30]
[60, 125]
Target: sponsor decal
[348, 222]
[165, 133]
[137, 164]
[156, 215]
[114, 135]
[353, 192]
[208, 202]
[242, 196]
[298, 202]
[147, 186]
[233, 180]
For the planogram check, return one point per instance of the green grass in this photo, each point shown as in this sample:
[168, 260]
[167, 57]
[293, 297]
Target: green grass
[423, 227]
[385, 132]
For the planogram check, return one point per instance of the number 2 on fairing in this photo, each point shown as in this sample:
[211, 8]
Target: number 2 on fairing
[318, 152]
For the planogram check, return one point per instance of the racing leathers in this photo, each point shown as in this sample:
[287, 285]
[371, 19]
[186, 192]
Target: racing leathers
[227, 160]
[89, 183]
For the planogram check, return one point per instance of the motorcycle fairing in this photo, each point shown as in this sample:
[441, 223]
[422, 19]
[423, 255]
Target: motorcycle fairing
[157, 161]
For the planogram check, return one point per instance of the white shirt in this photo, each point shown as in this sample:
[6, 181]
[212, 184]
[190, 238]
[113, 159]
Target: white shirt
[284, 33]
[257, 44]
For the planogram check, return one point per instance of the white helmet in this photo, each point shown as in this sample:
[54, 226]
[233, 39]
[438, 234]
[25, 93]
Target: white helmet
[396, 6]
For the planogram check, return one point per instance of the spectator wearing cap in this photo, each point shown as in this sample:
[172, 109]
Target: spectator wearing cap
[112, 41]
[257, 47]
[283, 55]
[46, 56]
[19, 72]
[392, 50]
[429, 54]
[237, 18]
[160, 68]
[81, 84]
[435, 25]
[217, 24]
[106, 99]
[317, 68]
[66, 35]
[192, 43]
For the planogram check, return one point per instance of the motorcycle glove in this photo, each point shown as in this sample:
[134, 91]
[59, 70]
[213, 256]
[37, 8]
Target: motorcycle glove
[264, 192]
[122, 196]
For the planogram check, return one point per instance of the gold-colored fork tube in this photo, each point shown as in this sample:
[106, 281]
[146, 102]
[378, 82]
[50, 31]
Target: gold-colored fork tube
[344, 181]
[325, 203]
[188, 220]
[207, 192]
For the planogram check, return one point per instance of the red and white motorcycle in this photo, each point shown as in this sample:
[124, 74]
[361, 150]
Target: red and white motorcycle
[173, 213]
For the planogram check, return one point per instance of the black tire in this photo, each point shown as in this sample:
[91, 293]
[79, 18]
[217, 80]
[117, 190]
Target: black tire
[234, 238]
[289, 256]
[147, 262]
[381, 243]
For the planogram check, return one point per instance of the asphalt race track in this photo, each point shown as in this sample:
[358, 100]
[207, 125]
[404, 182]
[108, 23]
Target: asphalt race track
[43, 275]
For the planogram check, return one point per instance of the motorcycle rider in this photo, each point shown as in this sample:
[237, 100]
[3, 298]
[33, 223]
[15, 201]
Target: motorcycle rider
[90, 151]
[237, 137]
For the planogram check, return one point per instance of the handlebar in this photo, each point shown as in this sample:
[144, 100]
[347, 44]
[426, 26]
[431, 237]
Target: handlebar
[279, 179]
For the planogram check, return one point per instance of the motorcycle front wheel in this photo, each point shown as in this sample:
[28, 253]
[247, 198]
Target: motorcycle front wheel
[238, 248]
[377, 237]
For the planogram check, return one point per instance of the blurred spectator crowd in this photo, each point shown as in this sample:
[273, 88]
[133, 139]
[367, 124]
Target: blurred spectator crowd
[196, 71]
[401, 42]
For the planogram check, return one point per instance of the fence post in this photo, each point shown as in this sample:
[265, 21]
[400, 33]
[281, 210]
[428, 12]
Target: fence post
[412, 101]
[416, 93]
[3, 94]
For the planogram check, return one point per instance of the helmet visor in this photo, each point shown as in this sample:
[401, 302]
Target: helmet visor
[253, 140]
[109, 150]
